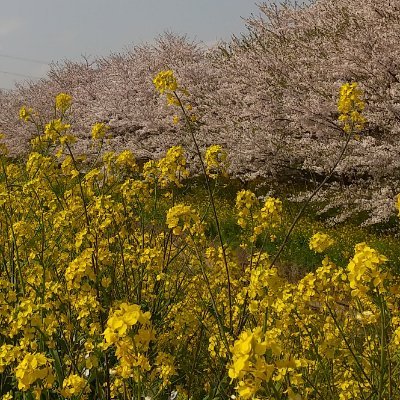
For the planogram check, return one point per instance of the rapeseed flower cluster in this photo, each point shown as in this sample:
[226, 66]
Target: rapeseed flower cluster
[246, 202]
[182, 218]
[319, 319]
[111, 288]
[269, 215]
[364, 271]
[25, 113]
[99, 130]
[350, 106]
[259, 219]
[173, 167]
[73, 385]
[122, 320]
[216, 160]
[63, 102]
[165, 81]
[398, 203]
[33, 368]
[319, 242]
[166, 368]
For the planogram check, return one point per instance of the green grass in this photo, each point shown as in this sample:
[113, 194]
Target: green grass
[296, 259]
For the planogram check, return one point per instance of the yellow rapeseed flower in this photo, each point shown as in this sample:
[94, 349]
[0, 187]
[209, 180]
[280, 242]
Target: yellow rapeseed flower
[246, 200]
[25, 113]
[165, 81]
[182, 218]
[54, 128]
[99, 130]
[216, 160]
[73, 386]
[350, 105]
[320, 242]
[33, 367]
[364, 269]
[63, 102]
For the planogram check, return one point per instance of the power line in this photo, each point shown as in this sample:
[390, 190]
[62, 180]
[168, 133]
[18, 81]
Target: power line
[24, 59]
[17, 74]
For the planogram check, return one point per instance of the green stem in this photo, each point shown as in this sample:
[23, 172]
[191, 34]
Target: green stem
[211, 196]
[383, 352]
[316, 190]
[213, 302]
[349, 346]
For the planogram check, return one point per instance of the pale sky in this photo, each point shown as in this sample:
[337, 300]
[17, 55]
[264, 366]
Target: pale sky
[36, 32]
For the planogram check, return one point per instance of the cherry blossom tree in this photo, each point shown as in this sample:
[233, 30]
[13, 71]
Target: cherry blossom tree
[269, 97]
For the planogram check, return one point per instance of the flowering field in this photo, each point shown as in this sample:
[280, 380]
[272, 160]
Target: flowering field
[112, 287]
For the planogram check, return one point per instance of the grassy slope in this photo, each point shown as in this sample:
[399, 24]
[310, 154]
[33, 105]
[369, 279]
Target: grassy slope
[297, 258]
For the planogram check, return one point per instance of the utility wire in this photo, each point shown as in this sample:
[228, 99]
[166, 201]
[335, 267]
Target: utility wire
[31, 60]
[17, 74]
[24, 59]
